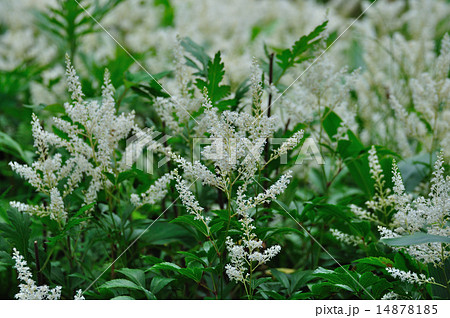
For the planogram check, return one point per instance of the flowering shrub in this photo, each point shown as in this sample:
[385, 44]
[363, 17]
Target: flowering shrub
[179, 156]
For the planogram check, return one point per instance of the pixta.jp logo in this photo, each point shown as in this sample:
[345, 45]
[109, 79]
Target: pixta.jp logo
[140, 150]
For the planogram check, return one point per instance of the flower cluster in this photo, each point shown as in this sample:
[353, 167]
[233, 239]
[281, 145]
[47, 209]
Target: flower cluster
[423, 214]
[243, 256]
[347, 238]
[289, 144]
[251, 250]
[79, 295]
[189, 201]
[155, 192]
[28, 289]
[405, 78]
[379, 209]
[409, 277]
[237, 139]
[90, 136]
[390, 296]
[382, 200]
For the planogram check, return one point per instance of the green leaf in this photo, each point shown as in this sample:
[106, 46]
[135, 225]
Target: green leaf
[120, 283]
[299, 280]
[122, 298]
[416, 239]
[281, 277]
[9, 145]
[273, 294]
[189, 220]
[217, 227]
[368, 279]
[331, 123]
[168, 13]
[71, 223]
[152, 90]
[192, 257]
[193, 273]
[382, 262]
[111, 177]
[159, 283]
[163, 232]
[289, 57]
[414, 170]
[199, 54]
[257, 282]
[84, 209]
[165, 266]
[125, 175]
[17, 230]
[342, 278]
[136, 275]
[216, 72]
[300, 295]
[55, 108]
[440, 275]
[324, 290]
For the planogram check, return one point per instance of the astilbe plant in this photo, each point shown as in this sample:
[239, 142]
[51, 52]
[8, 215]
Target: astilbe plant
[29, 290]
[210, 223]
[233, 162]
[90, 134]
[74, 164]
[429, 214]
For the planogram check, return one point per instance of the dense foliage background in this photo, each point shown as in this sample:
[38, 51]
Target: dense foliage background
[334, 116]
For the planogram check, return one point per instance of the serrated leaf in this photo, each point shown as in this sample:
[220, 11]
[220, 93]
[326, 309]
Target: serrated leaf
[158, 283]
[193, 273]
[165, 266]
[382, 262]
[368, 279]
[17, 230]
[289, 57]
[120, 283]
[216, 72]
[135, 275]
[198, 53]
[189, 220]
[190, 256]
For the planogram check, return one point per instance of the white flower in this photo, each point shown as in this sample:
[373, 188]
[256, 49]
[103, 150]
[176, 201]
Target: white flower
[289, 144]
[28, 290]
[386, 233]
[188, 200]
[390, 295]
[79, 295]
[423, 214]
[409, 276]
[347, 238]
[256, 89]
[155, 192]
[93, 132]
[234, 273]
[237, 139]
[197, 170]
[243, 204]
[375, 168]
